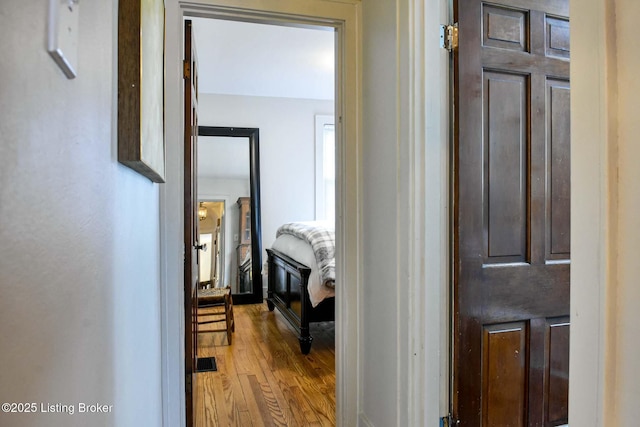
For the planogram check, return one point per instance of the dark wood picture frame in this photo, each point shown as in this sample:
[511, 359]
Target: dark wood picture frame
[141, 38]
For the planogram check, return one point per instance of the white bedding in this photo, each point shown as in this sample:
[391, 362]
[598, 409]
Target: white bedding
[302, 252]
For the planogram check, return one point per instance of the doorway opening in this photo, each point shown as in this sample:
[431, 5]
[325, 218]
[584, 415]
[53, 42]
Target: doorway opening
[345, 18]
[213, 271]
[297, 169]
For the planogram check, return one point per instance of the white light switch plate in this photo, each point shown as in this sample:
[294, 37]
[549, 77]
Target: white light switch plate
[63, 35]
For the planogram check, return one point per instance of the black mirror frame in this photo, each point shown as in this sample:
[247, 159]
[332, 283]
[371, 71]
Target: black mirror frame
[253, 134]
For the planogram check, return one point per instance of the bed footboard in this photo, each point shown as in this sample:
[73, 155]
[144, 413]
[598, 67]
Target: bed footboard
[287, 290]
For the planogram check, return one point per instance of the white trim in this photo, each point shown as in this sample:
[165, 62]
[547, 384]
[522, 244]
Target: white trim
[345, 17]
[433, 291]
[171, 229]
[419, 73]
[424, 92]
[593, 203]
[348, 212]
[410, 222]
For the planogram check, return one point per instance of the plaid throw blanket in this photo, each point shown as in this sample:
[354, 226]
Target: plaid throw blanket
[323, 243]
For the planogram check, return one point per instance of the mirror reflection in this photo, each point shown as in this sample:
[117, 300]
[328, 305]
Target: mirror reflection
[212, 256]
[225, 194]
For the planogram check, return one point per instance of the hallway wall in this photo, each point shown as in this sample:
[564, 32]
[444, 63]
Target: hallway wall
[79, 241]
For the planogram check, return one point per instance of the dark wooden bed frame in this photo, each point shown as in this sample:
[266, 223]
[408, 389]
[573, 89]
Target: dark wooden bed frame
[287, 290]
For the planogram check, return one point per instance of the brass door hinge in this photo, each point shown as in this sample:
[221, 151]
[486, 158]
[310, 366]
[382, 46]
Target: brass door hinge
[186, 69]
[449, 421]
[188, 383]
[449, 37]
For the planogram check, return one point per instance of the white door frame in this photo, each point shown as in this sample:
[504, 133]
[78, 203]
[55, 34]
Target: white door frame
[345, 18]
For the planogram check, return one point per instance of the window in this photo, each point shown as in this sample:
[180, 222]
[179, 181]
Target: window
[325, 168]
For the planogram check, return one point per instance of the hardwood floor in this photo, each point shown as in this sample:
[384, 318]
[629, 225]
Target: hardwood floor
[262, 378]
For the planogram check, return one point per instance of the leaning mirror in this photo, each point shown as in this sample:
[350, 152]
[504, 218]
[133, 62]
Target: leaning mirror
[229, 210]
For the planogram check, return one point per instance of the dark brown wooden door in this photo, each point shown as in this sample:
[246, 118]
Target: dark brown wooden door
[511, 213]
[190, 220]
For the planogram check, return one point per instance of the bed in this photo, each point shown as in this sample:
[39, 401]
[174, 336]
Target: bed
[301, 276]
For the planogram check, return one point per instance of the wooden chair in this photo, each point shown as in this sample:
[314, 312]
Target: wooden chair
[216, 305]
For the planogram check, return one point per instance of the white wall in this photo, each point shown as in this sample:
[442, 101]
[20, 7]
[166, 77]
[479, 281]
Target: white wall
[287, 151]
[79, 241]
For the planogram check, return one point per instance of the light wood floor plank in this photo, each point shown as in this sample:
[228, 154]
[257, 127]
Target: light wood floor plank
[253, 403]
[235, 395]
[244, 419]
[289, 419]
[302, 402]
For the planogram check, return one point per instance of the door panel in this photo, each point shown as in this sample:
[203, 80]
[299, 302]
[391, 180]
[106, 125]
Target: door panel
[558, 201]
[191, 268]
[557, 42]
[511, 213]
[557, 371]
[504, 374]
[505, 151]
[504, 28]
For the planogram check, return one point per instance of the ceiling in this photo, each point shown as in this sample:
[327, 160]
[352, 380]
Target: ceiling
[241, 58]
